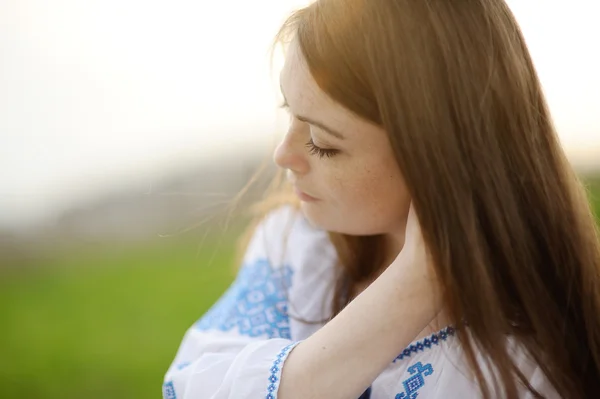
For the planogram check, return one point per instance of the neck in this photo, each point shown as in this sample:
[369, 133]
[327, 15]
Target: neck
[393, 244]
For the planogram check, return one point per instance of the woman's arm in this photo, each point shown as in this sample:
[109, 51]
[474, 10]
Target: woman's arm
[224, 360]
[343, 358]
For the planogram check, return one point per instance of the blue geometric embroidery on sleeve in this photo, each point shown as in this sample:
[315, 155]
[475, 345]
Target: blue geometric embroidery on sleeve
[169, 391]
[276, 371]
[427, 343]
[416, 381]
[255, 304]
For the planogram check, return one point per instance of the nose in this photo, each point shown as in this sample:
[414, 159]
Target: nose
[290, 155]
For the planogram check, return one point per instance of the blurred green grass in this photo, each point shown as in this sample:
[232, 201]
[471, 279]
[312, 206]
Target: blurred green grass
[107, 322]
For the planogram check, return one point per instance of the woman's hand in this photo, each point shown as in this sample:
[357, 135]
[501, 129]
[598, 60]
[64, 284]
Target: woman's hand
[414, 263]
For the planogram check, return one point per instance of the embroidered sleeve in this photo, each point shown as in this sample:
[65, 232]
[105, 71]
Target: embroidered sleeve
[253, 371]
[237, 349]
[276, 369]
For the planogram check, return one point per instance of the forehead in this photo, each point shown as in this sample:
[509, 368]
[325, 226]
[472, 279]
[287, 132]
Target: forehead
[305, 97]
[303, 94]
[298, 85]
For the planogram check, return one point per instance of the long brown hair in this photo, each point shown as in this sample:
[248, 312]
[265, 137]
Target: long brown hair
[504, 215]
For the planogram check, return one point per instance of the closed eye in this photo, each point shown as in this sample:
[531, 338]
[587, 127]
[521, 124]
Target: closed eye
[313, 149]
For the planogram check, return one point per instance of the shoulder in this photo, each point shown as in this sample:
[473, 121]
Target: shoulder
[456, 376]
[278, 267]
[286, 244]
[531, 371]
[437, 367]
[285, 237]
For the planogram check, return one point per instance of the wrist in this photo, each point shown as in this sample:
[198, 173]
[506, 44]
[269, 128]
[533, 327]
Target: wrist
[413, 281]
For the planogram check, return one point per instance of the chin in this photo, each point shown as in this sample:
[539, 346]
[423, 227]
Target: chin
[318, 216]
[331, 221]
[313, 215]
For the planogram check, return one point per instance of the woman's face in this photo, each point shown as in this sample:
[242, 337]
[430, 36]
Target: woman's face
[342, 166]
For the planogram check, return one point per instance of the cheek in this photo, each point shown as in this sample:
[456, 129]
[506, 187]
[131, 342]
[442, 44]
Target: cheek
[367, 201]
[378, 194]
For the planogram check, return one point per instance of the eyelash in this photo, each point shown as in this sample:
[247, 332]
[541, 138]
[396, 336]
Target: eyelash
[320, 152]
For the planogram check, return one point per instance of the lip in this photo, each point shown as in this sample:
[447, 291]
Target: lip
[303, 196]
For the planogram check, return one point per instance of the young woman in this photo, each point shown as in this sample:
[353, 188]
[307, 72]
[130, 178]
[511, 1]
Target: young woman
[442, 246]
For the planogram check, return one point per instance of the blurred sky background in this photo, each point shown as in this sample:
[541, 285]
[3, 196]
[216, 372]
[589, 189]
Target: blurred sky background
[97, 95]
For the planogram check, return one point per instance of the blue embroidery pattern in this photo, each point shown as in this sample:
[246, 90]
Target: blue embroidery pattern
[169, 391]
[276, 369]
[256, 303]
[426, 343]
[416, 381]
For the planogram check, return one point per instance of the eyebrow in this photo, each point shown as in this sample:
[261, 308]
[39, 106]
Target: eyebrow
[318, 124]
